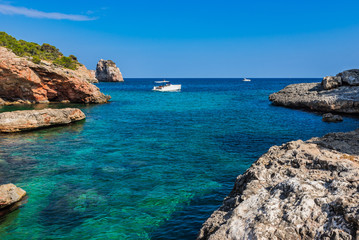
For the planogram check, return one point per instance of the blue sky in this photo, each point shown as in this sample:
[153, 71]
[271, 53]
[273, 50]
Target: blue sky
[196, 38]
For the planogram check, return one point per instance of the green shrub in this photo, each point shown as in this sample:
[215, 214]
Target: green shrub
[37, 53]
[66, 62]
[36, 59]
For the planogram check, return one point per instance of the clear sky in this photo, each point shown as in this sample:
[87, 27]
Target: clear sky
[189, 38]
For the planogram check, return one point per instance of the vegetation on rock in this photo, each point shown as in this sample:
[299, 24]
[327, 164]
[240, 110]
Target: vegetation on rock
[38, 52]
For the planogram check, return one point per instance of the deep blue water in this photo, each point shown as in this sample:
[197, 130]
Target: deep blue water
[147, 164]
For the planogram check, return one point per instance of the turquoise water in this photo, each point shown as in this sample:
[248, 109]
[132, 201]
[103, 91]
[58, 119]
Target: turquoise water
[147, 165]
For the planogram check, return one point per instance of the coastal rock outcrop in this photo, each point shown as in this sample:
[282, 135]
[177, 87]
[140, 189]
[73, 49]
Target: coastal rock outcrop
[300, 190]
[107, 71]
[338, 93]
[328, 117]
[10, 194]
[312, 96]
[23, 81]
[17, 121]
[350, 77]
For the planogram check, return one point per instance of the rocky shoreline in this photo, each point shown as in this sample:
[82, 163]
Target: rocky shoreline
[22, 81]
[300, 190]
[337, 94]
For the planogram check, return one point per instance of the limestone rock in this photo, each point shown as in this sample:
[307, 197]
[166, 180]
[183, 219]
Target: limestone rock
[107, 71]
[10, 194]
[23, 80]
[17, 121]
[312, 96]
[92, 78]
[350, 77]
[88, 75]
[328, 117]
[300, 190]
[331, 82]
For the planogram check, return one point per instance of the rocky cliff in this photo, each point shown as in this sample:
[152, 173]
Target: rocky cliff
[107, 71]
[335, 94]
[300, 190]
[22, 81]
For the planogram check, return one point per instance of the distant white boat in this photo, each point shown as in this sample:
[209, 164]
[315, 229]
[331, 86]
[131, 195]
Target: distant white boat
[166, 86]
[246, 80]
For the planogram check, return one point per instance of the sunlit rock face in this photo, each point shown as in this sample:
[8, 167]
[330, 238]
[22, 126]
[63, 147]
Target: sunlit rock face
[300, 190]
[10, 194]
[22, 81]
[107, 71]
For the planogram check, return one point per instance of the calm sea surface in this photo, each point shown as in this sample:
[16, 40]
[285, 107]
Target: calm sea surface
[147, 165]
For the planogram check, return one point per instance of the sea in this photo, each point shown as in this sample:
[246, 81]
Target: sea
[147, 165]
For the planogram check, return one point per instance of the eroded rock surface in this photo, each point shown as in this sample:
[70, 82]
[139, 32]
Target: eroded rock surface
[17, 121]
[312, 96]
[300, 190]
[331, 82]
[10, 194]
[107, 71]
[22, 81]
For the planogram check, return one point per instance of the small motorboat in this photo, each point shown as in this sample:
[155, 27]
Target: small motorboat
[166, 86]
[246, 80]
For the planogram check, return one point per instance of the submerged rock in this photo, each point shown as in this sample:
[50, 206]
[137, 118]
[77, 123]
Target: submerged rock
[312, 96]
[9, 195]
[328, 117]
[300, 190]
[107, 71]
[31, 119]
[22, 81]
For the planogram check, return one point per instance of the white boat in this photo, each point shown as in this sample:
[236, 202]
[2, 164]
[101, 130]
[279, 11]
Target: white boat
[246, 80]
[166, 86]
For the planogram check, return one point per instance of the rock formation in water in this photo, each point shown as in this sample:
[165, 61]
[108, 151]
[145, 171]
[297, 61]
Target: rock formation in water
[107, 71]
[328, 117]
[300, 190]
[23, 81]
[9, 195]
[17, 121]
[335, 94]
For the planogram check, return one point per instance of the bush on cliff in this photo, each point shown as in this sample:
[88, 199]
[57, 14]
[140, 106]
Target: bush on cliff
[36, 59]
[66, 62]
[38, 52]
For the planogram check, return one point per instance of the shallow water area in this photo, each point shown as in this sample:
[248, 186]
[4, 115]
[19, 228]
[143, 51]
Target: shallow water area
[147, 164]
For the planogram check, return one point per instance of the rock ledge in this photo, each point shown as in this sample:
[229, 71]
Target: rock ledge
[338, 93]
[31, 119]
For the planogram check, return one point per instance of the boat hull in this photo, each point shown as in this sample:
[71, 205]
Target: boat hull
[170, 88]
